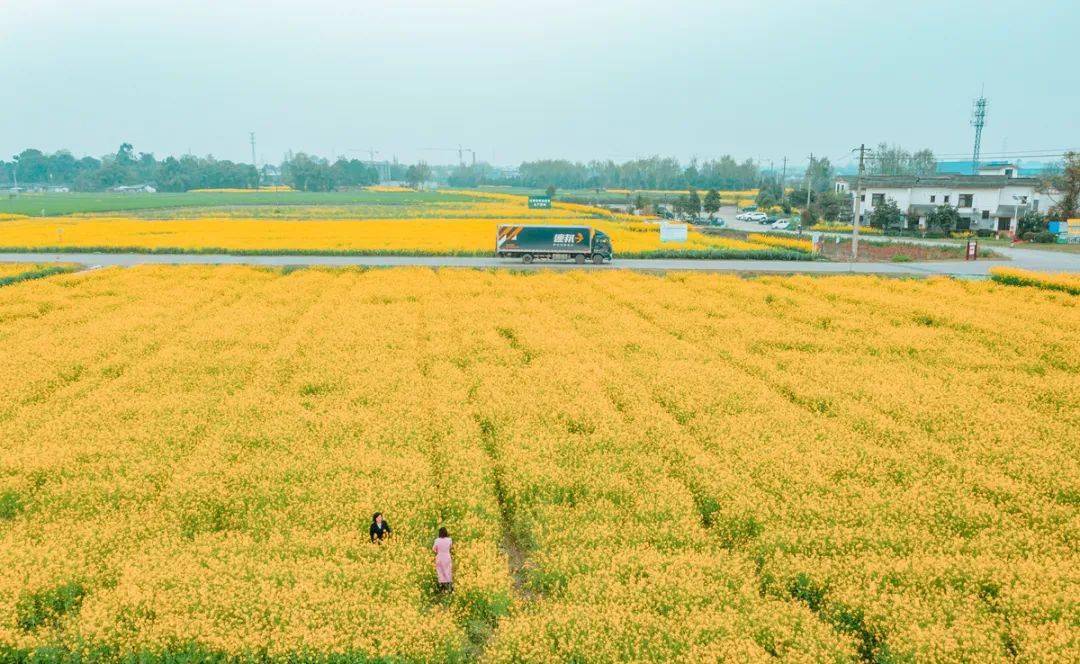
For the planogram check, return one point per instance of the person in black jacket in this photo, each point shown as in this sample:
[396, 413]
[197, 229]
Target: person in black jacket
[380, 529]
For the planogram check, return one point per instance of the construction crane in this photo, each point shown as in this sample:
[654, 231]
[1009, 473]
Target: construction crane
[460, 153]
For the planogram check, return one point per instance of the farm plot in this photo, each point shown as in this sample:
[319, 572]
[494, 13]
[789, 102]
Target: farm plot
[682, 468]
[460, 223]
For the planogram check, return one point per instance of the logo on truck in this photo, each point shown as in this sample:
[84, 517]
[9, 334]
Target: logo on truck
[507, 233]
[568, 238]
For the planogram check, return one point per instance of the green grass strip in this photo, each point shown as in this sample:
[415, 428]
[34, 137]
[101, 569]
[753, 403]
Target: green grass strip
[37, 274]
[1013, 280]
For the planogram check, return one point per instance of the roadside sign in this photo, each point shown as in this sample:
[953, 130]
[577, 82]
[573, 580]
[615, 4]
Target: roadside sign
[815, 239]
[672, 232]
[972, 250]
[539, 202]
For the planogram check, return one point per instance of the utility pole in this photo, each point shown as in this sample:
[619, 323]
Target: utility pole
[809, 179]
[15, 173]
[858, 204]
[253, 164]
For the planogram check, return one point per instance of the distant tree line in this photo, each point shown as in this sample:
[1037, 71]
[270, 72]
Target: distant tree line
[651, 173]
[888, 159]
[126, 167]
[307, 173]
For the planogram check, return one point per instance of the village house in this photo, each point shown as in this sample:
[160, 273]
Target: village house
[995, 199]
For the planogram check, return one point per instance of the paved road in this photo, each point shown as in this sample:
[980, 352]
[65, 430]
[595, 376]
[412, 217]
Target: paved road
[1026, 258]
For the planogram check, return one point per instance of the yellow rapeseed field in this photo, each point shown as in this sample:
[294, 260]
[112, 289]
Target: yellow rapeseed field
[15, 269]
[680, 468]
[780, 241]
[419, 235]
[1068, 282]
[436, 227]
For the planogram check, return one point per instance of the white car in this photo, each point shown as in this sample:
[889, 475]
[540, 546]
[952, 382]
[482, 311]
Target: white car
[744, 216]
[781, 224]
[757, 216]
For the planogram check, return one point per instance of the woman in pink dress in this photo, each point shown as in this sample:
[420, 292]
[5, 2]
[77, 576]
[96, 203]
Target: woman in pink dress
[444, 566]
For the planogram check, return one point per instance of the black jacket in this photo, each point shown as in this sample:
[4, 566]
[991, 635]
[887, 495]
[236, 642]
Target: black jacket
[378, 531]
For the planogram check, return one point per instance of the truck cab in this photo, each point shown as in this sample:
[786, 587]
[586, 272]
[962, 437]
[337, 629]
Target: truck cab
[601, 246]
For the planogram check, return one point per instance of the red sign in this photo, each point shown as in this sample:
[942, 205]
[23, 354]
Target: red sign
[972, 250]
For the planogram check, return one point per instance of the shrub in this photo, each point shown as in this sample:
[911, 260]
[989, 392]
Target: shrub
[901, 258]
[1045, 237]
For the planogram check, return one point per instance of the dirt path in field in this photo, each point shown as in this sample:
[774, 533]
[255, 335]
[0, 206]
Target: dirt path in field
[517, 557]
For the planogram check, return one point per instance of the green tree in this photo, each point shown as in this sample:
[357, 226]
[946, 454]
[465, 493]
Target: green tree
[693, 203]
[820, 175]
[1067, 181]
[639, 202]
[894, 160]
[550, 191]
[1031, 222]
[886, 215]
[944, 219]
[711, 204]
[308, 173]
[831, 205]
[418, 174]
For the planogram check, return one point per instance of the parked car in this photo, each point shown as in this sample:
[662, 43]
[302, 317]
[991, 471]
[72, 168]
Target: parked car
[757, 216]
[781, 224]
[769, 220]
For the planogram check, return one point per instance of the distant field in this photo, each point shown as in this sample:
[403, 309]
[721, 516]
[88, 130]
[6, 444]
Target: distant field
[451, 223]
[614, 196]
[49, 205]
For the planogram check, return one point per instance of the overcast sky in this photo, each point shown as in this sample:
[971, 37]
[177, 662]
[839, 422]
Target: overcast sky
[578, 79]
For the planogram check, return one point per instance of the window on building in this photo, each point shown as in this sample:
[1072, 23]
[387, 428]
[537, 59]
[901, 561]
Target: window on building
[862, 198]
[933, 198]
[986, 214]
[877, 199]
[966, 200]
[946, 199]
[1008, 172]
[1023, 200]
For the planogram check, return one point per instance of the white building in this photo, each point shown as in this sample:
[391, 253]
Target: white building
[134, 189]
[995, 199]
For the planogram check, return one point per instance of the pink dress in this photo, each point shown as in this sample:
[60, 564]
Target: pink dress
[444, 566]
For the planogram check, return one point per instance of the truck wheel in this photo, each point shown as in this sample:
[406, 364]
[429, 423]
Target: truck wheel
[579, 259]
[527, 258]
[598, 259]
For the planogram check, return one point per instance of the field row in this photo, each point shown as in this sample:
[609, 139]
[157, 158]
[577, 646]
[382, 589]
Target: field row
[681, 468]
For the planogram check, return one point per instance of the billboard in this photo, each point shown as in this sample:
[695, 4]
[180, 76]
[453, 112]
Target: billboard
[539, 202]
[672, 232]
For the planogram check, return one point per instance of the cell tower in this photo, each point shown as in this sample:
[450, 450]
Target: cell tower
[978, 120]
